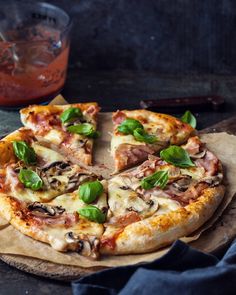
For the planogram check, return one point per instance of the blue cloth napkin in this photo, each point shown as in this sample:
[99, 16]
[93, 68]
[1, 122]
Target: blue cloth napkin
[183, 270]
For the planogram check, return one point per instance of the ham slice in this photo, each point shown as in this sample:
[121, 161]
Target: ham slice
[65, 220]
[127, 155]
[193, 145]
[124, 220]
[210, 163]
[118, 117]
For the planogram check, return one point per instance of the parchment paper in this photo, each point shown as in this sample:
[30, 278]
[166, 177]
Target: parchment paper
[13, 242]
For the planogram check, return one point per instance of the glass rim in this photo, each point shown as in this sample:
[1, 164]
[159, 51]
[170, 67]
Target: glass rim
[63, 30]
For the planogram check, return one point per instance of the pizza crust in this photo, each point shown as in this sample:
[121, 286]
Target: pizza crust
[157, 231]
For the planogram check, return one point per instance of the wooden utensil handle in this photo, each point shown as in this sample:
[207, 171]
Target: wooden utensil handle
[197, 102]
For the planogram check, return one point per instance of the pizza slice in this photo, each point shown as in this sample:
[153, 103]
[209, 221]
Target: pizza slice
[140, 133]
[30, 171]
[70, 222]
[69, 129]
[165, 198]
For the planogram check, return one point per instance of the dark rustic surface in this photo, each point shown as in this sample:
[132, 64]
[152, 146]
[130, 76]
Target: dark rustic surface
[167, 36]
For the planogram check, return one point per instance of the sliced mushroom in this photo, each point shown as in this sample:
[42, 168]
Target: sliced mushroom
[78, 179]
[183, 184]
[125, 188]
[213, 180]
[130, 182]
[199, 155]
[55, 183]
[76, 121]
[84, 244]
[59, 165]
[43, 210]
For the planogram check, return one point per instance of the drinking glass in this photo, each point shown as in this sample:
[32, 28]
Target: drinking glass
[34, 48]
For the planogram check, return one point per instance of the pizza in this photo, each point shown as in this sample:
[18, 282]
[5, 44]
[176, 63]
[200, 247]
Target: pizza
[140, 133]
[163, 199]
[47, 195]
[70, 129]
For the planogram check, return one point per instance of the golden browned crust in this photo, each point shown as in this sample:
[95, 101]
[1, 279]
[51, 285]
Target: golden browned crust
[9, 211]
[6, 148]
[180, 130]
[157, 231]
[55, 108]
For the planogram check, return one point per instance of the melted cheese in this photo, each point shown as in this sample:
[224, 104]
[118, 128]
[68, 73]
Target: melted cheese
[195, 172]
[72, 202]
[54, 136]
[48, 155]
[166, 205]
[123, 201]
[120, 139]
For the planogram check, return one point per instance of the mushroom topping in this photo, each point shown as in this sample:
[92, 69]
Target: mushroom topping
[199, 155]
[55, 183]
[43, 210]
[84, 244]
[76, 121]
[123, 187]
[183, 184]
[213, 180]
[58, 166]
[78, 179]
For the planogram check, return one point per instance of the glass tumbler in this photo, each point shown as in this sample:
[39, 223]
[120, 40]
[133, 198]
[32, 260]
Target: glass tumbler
[34, 48]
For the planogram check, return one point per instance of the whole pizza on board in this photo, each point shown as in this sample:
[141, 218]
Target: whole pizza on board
[48, 192]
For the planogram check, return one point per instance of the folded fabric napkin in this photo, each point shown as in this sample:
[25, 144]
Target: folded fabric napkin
[183, 270]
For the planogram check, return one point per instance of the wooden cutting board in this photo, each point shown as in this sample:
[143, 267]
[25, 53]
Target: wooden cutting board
[212, 240]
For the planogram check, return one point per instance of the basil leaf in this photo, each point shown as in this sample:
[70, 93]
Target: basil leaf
[30, 179]
[142, 135]
[129, 125]
[92, 213]
[159, 178]
[189, 118]
[24, 152]
[86, 129]
[70, 114]
[177, 156]
[89, 191]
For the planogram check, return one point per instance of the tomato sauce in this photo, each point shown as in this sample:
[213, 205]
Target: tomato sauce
[36, 74]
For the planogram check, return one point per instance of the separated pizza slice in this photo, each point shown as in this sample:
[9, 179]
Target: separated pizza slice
[32, 172]
[70, 222]
[140, 133]
[69, 129]
[165, 198]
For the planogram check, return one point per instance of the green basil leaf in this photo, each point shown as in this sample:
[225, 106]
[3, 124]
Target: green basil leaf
[30, 179]
[24, 152]
[70, 114]
[142, 135]
[89, 191]
[85, 129]
[159, 178]
[189, 118]
[129, 125]
[177, 156]
[92, 213]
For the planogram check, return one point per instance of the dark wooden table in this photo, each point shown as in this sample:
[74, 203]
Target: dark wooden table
[117, 90]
